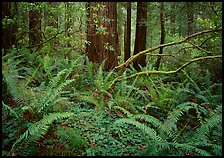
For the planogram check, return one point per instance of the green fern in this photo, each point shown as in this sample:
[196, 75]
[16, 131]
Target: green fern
[11, 110]
[173, 116]
[71, 137]
[54, 89]
[37, 130]
[149, 131]
[189, 148]
[11, 77]
[101, 82]
[126, 112]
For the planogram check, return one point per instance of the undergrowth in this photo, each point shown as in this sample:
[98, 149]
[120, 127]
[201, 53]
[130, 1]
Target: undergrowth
[59, 107]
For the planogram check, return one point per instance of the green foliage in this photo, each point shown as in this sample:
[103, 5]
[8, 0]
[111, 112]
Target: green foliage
[54, 105]
[38, 129]
[71, 138]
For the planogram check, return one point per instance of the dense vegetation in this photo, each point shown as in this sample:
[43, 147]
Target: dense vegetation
[58, 102]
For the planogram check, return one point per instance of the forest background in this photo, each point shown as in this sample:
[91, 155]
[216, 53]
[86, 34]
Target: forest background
[111, 78]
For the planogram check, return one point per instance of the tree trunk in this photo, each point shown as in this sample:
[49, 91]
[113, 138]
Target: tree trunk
[190, 18]
[162, 22]
[102, 33]
[35, 37]
[172, 18]
[140, 36]
[127, 37]
[8, 30]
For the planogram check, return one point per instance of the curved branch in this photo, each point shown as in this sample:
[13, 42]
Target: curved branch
[169, 72]
[132, 58]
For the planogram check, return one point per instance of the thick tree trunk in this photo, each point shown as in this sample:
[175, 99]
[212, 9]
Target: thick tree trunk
[102, 33]
[190, 18]
[127, 35]
[140, 37]
[8, 31]
[35, 37]
[162, 38]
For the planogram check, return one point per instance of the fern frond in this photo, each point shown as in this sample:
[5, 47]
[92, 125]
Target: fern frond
[126, 112]
[71, 137]
[10, 75]
[189, 148]
[89, 99]
[40, 128]
[149, 131]
[11, 110]
[52, 94]
[204, 129]
[173, 116]
[55, 81]
[150, 119]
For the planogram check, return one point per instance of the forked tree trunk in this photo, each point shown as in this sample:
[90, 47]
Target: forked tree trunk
[102, 33]
[140, 36]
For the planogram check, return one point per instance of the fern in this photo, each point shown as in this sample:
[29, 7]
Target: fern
[37, 130]
[101, 82]
[10, 109]
[149, 131]
[126, 112]
[189, 148]
[173, 116]
[71, 137]
[53, 91]
[10, 74]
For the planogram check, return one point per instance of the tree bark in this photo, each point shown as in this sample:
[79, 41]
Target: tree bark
[102, 33]
[172, 18]
[140, 38]
[190, 18]
[162, 38]
[127, 35]
[35, 37]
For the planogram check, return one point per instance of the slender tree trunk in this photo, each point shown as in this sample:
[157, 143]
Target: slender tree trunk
[127, 35]
[172, 18]
[35, 37]
[67, 21]
[190, 18]
[8, 31]
[162, 22]
[102, 33]
[140, 37]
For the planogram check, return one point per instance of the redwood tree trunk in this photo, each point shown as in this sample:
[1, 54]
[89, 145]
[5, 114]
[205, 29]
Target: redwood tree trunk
[162, 38]
[35, 37]
[140, 37]
[127, 35]
[102, 33]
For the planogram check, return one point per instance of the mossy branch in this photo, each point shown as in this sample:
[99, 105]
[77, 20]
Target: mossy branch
[132, 58]
[169, 72]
